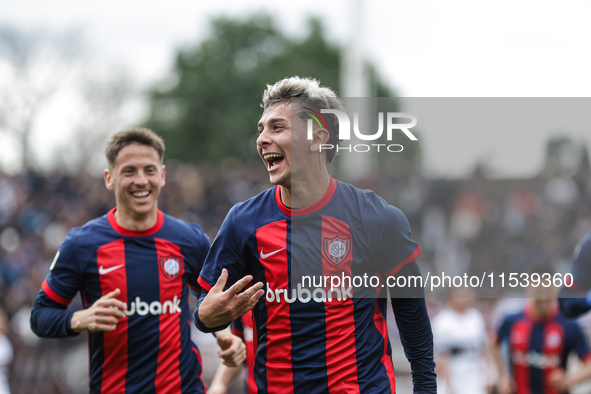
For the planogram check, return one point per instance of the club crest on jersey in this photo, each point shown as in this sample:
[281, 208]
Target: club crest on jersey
[337, 249]
[171, 266]
[553, 340]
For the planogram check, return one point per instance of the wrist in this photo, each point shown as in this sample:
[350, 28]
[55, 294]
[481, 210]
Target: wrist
[503, 375]
[203, 318]
[217, 387]
[202, 314]
[76, 322]
[203, 327]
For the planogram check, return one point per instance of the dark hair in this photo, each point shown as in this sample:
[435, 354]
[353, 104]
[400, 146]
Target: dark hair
[138, 135]
[313, 95]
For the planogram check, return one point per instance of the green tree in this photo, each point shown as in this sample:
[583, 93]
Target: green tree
[207, 110]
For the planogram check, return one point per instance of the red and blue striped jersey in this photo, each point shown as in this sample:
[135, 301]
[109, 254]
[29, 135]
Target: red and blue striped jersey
[243, 328]
[151, 350]
[539, 347]
[309, 338]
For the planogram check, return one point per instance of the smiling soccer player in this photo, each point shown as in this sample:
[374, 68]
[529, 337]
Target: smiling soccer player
[314, 340]
[132, 267]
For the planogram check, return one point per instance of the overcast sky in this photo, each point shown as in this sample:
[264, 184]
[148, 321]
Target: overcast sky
[424, 48]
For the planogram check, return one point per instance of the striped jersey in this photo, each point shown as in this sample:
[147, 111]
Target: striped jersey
[151, 350]
[537, 347]
[311, 337]
[243, 328]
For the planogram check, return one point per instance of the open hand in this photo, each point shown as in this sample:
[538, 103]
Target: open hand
[221, 307]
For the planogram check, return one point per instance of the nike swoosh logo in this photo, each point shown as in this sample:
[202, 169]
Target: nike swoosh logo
[264, 256]
[104, 271]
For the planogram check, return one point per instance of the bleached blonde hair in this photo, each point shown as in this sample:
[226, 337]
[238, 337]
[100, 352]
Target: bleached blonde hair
[313, 95]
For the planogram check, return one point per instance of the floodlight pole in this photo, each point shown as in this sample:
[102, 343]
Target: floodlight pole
[355, 83]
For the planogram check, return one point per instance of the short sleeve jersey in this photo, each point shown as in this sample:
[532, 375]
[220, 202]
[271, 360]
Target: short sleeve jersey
[151, 350]
[539, 347]
[309, 338]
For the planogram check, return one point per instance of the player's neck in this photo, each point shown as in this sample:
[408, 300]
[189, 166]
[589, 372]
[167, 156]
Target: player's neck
[303, 193]
[130, 221]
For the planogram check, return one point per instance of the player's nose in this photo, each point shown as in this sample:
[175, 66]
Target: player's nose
[141, 178]
[263, 138]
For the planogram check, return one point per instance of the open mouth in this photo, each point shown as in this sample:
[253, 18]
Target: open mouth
[273, 160]
[141, 194]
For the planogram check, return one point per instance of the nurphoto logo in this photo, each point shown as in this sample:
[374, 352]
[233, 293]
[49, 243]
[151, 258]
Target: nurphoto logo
[392, 124]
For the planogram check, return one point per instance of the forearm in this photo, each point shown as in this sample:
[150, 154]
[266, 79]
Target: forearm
[222, 379]
[581, 375]
[417, 339]
[499, 362]
[226, 330]
[50, 320]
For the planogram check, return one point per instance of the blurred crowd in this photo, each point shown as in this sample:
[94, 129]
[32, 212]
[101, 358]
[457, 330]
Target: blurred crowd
[462, 226]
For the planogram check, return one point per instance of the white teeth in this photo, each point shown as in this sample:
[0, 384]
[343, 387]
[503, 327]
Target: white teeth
[272, 156]
[141, 194]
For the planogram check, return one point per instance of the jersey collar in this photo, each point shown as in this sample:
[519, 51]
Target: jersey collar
[135, 233]
[311, 208]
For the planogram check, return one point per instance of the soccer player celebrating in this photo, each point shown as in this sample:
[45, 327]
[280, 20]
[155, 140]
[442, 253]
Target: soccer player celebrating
[132, 267]
[539, 342]
[314, 340]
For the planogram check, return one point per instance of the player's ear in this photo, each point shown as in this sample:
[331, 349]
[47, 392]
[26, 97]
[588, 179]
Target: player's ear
[163, 179]
[108, 179]
[320, 138]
